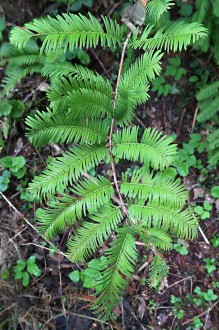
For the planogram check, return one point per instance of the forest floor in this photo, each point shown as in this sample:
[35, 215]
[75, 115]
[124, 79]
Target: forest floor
[53, 301]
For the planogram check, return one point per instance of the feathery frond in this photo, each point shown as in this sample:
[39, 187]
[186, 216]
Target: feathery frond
[213, 147]
[181, 223]
[215, 4]
[155, 8]
[172, 37]
[91, 195]
[121, 258]
[46, 128]
[14, 75]
[144, 69]
[158, 270]
[208, 91]
[216, 42]
[152, 150]
[201, 10]
[133, 86]
[69, 31]
[129, 97]
[18, 58]
[90, 235]
[89, 103]
[159, 188]
[155, 237]
[208, 109]
[79, 77]
[82, 81]
[58, 70]
[67, 169]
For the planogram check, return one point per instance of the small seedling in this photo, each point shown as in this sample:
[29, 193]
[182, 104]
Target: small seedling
[12, 166]
[2, 27]
[210, 265]
[16, 165]
[177, 303]
[215, 242]
[4, 180]
[161, 87]
[24, 269]
[186, 156]
[90, 275]
[203, 211]
[96, 121]
[215, 191]
[174, 69]
[204, 297]
[181, 249]
[197, 324]
[215, 285]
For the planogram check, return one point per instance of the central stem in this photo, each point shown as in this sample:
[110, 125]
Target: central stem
[123, 207]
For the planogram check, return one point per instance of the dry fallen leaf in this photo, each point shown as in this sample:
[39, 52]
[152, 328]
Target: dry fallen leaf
[141, 308]
[197, 192]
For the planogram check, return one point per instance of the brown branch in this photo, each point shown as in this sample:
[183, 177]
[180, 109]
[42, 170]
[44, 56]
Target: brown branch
[203, 313]
[28, 222]
[194, 119]
[123, 207]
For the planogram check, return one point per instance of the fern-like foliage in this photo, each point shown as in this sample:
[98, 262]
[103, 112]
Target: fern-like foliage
[91, 195]
[67, 168]
[83, 93]
[208, 98]
[173, 36]
[47, 128]
[158, 188]
[156, 8]
[207, 13]
[91, 235]
[158, 270]
[152, 150]
[69, 31]
[213, 146]
[134, 85]
[20, 63]
[86, 111]
[120, 261]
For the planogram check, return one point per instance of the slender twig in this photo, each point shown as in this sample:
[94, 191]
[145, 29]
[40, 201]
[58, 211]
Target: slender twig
[9, 307]
[144, 265]
[100, 62]
[80, 315]
[27, 221]
[114, 8]
[183, 279]
[141, 122]
[203, 313]
[124, 209]
[181, 120]
[203, 235]
[194, 119]
[120, 67]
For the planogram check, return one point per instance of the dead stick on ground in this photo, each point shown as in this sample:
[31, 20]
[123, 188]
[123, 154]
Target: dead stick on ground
[194, 119]
[181, 120]
[27, 221]
[203, 235]
[203, 313]
[183, 279]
